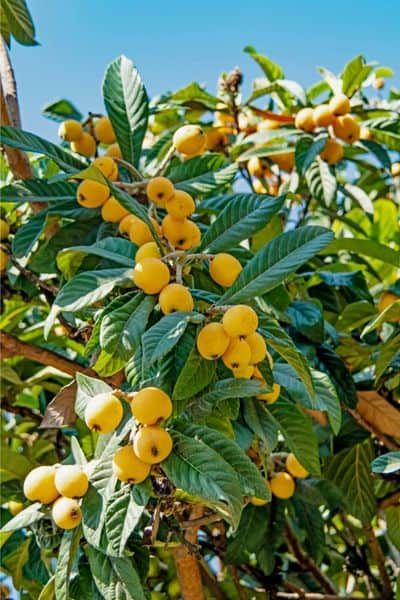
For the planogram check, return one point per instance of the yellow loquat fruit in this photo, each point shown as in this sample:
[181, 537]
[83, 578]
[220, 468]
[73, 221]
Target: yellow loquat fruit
[323, 116]
[159, 190]
[104, 131]
[66, 513]
[108, 166]
[258, 347]
[225, 269]
[212, 341]
[347, 128]
[180, 205]
[127, 467]
[151, 275]
[147, 250]
[152, 444]
[39, 485]
[103, 413]
[92, 194]
[339, 105]
[175, 297]
[240, 320]
[151, 406]
[237, 354]
[113, 211]
[71, 481]
[85, 145]
[70, 130]
[189, 140]
[282, 485]
[295, 468]
[305, 120]
[333, 152]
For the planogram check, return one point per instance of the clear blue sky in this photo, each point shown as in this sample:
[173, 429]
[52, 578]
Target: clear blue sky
[173, 43]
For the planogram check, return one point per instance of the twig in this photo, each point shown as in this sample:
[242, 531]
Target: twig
[201, 521]
[377, 553]
[132, 170]
[390, 500]
[391, 445]
[163, 164]
[45, 287]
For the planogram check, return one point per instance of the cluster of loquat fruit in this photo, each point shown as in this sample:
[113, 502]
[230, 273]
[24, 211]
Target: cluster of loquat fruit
[282, 484]
[84, 137]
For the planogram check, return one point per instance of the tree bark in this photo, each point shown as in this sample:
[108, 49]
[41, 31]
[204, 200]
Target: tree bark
[187, 566]
[377, 553]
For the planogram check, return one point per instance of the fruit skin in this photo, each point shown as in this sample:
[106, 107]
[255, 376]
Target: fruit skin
[113, 211]
[240, 320]
[271, 397]
[379, 83]
[346, 128]
[284, 160]
[66, 513]
[243, 372]
[85, 145]
[189, 139]
[282, 485]
[15, 507]
[128, 467]
[175, 297]
[178, 232]
[151, 275]
[70, 130]
[126, 222]
[113, 150]
[257, 167]
[258, 347]
[152, 444]
[4, 258]
[107, 166]
[395, 169]
[305, 120]
[180, 205]
[147, 250]
[159, 190]
[225, 269]
[339, 105]
[92, 194]
[323, 116]
[4, 229]
[237, 354]
[195, 234]
[212, 341]
[151, 405]
[258, 501]
[333, 152]
[39, 485]
[387, 299]
[71, 481]
[103, 413]
[104, 131]
[215, 138]
[139, 232]
[295, 468]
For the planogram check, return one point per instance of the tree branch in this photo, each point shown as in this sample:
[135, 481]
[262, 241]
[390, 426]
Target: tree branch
[391, 445]
[187, 565]
[390, 500]
[377, 553]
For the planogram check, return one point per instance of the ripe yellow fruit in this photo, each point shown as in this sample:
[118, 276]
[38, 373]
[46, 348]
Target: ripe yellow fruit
[103, 413]
[284, 160]
[258, 167]
[151, 275]
[180, 205]
[174, 298]
[386, 300]
[4, 229]
[139, 232]
[223, 117]
[92, 194]
[237, 355]
[258, 347]
[347, 128]
[15, 507]
[178, 232]
[271, 397]
[159, 190]
[152, 444]
[114, 150]
[295, 468]
[305, 120]
[215, 138]
[4, 258]
[225, 269]
[71, 481]
[128, 467]
[195, 234]
[107, 166]
[113, 211]
[379, 83]
[125, 223]
[333, 152]
[85, 145]
[104, 131]
[243, 372]
[323, 116]
[212, 341]
[189, 139]
[70, 130]
[39, 485]
[395, 169]
[282, 485]
[150, 406]
[339, 105]
[147, 250]
[240, 320]
[66, 513]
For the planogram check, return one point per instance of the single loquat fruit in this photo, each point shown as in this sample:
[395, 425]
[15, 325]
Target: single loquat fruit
[258, 167]
[147, 250]
[175, 297]
[225, 269]
[282, 485]
[71, 481]
[114, 151]
[295, 468]
[70, 130]
[104, 131]
[39, 485]
[240, 320]
[139, 232]
[333, 152]
[223, 117]
[15, 507]
[237, 354]
[112, 211]
[347, 128]
[125, 223]
[305, 120]
[4, 229]
[66, 513]
[107, 166]
[4, 258]
[92, 194]
[151, 275]
[258, 347]
[215, 138]
[152, 444]
[128, 467]
[195, 236]
[180, 205]
[178, 232]
[212, 341]
[151, 406]
[103, 413]
[323, 116]
[159, 190]
[189, 140]
[243, 372]
[270, 397]
[85, 145]
[339, 105]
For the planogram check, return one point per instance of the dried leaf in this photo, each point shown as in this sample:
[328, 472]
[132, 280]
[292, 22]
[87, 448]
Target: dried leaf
[379, 412]
[60, 412]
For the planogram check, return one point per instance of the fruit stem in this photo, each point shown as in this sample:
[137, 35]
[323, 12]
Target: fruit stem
[136, 174]
[163, 164]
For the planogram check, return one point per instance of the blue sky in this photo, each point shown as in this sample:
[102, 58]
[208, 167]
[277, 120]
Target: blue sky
[173, 43]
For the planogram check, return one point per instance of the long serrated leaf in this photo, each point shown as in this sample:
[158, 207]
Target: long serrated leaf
[321, 181]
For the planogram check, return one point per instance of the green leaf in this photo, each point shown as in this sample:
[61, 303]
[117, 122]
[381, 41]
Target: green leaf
[200, 471]
[350, 471]
[19, 21]
[378, 150]
[261, 422]
[117, 250]
[354, 74]
[307, 149]
[356, 193]
[27, 235]
[365, 248]
[307, 318]
[23, 140]
[121, 330]
[272, 70]
[327, 399]
[386, 463]
[243, 215]
[76, 450]
[115, 578]
[202, 174]
[38, 190]
[249, 536]
[220, 398]
[194, 96]
[60, 110]
[312, 523]
[122, 516]
[278, 259]
[392, 516]
[321, 181]
[127, 106]
[66, 555]
[14, 465]
[388, 351]
[196, 374]
[87, 388]
[26, 517]
[14, 562]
